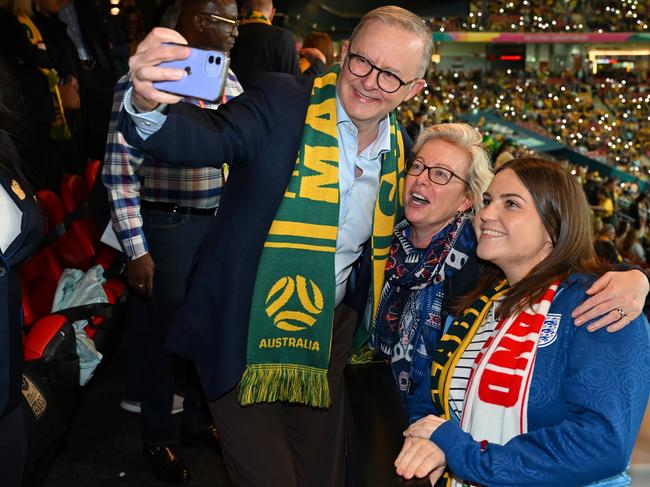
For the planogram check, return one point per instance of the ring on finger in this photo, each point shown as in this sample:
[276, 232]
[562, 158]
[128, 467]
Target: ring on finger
[621, 313]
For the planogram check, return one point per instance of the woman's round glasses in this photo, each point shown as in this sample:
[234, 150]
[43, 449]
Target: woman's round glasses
[437, 174]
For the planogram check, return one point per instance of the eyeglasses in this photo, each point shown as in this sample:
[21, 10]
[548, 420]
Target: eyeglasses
[387, 81]
[437, 174]
[233, 23]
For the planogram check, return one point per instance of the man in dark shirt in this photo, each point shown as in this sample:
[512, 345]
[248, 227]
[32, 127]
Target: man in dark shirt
[262, 47]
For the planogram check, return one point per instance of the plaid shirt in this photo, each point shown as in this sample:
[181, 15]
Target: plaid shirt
[129, 174]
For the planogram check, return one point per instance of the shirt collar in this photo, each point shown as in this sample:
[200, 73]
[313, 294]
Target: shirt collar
[380, 145]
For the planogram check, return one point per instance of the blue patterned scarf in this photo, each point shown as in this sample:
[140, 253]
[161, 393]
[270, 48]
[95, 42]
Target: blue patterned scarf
[410, 316]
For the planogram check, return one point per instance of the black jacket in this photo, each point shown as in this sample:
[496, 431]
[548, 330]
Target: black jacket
[11, 349]
[262, 48]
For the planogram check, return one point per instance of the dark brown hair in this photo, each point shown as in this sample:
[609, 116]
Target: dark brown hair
[562, 206]
[323, 42]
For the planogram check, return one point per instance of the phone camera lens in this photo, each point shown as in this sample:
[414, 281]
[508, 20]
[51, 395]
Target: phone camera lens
[211, 59]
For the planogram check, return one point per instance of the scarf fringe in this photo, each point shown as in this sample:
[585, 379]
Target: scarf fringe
[284, 382]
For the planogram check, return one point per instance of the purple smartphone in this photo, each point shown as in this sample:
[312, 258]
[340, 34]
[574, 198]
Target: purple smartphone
[206, 75]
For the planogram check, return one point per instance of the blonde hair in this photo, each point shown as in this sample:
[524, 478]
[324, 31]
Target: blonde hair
[21, 7]
[404, 19]
[465, 137]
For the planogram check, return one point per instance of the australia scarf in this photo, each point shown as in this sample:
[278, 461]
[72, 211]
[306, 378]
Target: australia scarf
[410, 316]
[451, 347]
[292, 310]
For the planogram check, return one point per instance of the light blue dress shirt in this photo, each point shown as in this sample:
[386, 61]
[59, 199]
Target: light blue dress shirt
[357, 194]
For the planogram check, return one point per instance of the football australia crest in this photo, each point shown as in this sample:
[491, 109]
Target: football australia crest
[293, 303]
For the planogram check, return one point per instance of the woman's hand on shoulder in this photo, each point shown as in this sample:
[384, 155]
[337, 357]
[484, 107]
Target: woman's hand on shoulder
[617, 298]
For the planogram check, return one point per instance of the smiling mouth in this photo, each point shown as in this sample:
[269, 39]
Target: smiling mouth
[418, 199]
[364, 98]
[492, 233]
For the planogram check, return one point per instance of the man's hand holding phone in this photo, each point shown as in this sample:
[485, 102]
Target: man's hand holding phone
[152, 51]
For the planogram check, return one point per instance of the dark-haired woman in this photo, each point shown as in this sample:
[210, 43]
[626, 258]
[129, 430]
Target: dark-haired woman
[517, 394]
[21, 228]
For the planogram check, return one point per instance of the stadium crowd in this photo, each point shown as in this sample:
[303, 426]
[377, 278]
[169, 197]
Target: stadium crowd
[549, 16]
[603, 118]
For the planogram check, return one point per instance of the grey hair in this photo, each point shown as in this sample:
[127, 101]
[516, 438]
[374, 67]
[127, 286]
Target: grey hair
[399, 17]
[465, 137]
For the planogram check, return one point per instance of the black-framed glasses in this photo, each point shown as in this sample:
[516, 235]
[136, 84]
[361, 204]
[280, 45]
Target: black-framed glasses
[234, 23]
[438, 175]
[387, 81]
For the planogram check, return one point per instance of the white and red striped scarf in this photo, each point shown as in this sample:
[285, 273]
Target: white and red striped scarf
[496, 400]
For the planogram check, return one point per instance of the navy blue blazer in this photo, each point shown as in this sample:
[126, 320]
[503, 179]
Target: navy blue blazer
[258, 133]
[11, 347]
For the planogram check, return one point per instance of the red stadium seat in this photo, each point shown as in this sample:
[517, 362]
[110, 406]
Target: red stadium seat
[50, 349]
[69, 246]
[92, 171]
[73, 246]
[75, 194]
[39, 276]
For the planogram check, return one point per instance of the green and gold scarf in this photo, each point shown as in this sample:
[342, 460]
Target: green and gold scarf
[292, 311]
[254, 17]
[450, 349]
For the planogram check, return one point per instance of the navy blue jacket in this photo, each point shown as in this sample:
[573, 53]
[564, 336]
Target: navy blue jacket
[259, 134]
[11, 348]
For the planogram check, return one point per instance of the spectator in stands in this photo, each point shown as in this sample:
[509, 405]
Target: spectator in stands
[133, 27]
[621, 232]
[46, 159]
[20, 234]
[261, 46]
[415, 126]
[505, 154]
[161, 214]
[25, 61]
[610, 194]
[638, 210]
[316, 54]
[97, 75]
[65, 61]
[605, 245]
[632, 250]
[527, 400]
[605, 208]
